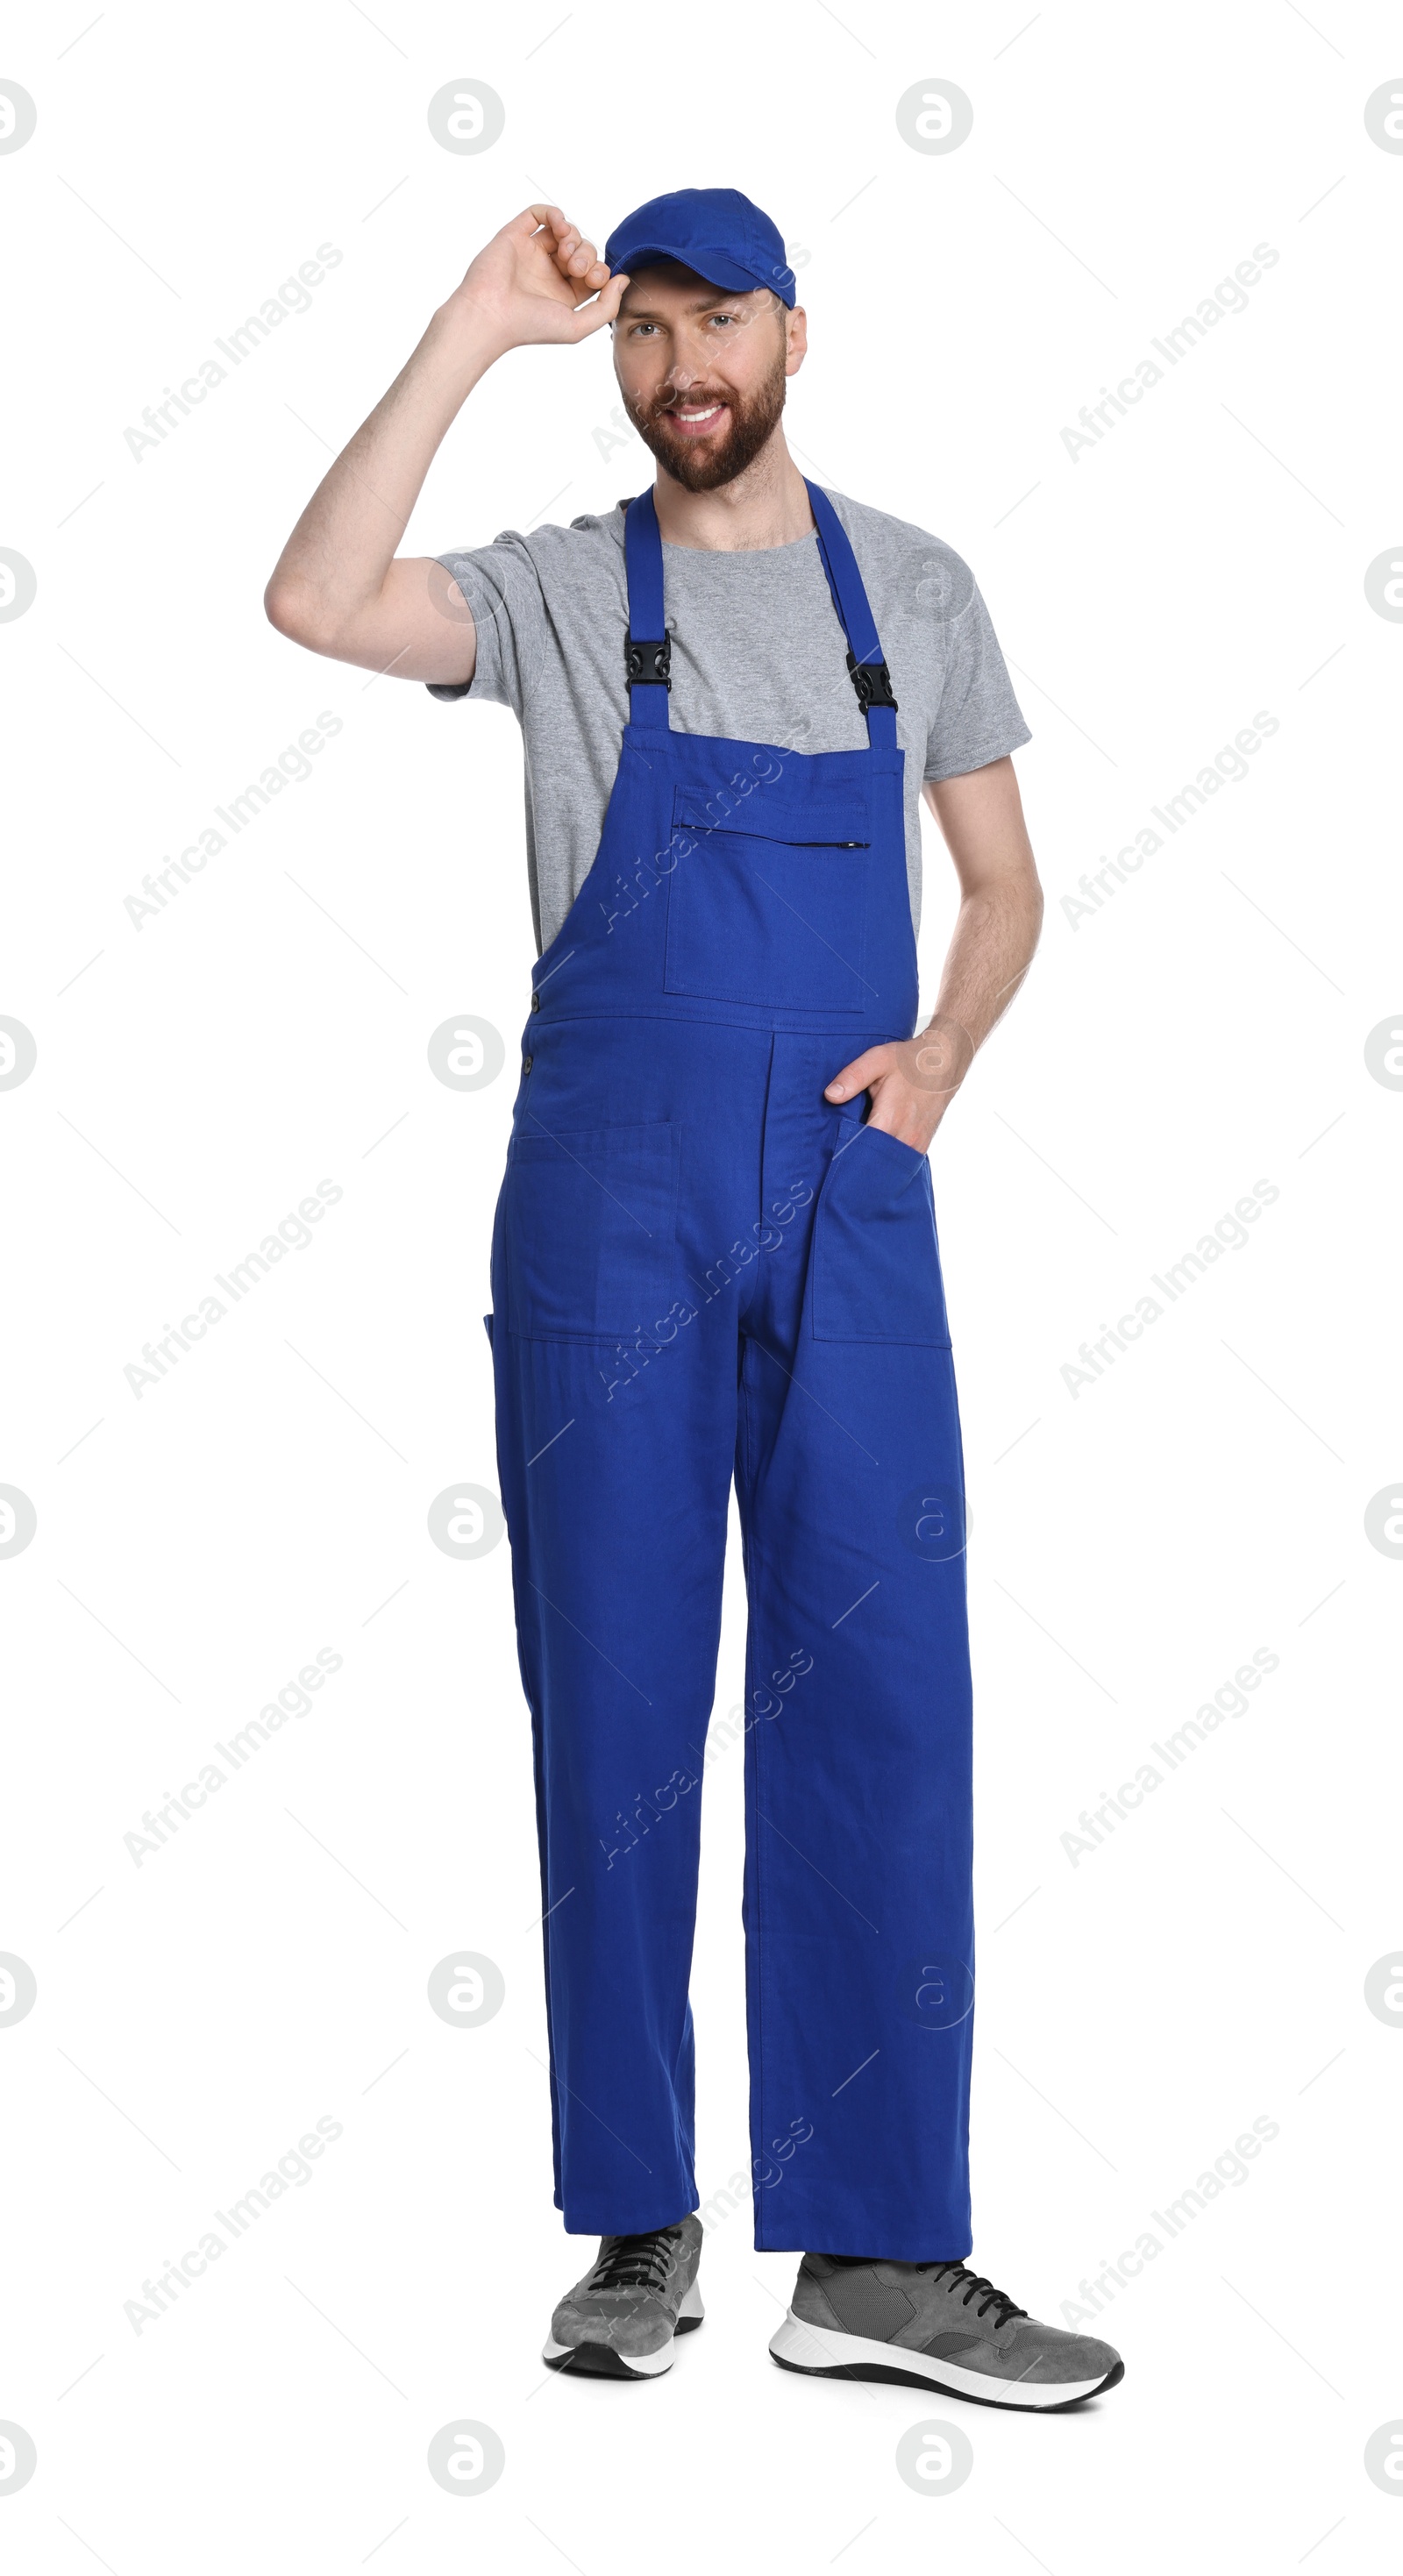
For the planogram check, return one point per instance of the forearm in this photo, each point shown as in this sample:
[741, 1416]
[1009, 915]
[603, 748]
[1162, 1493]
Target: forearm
[339, 586]
[996, 931]
[332, 588]
[992, 946]
[996, 927]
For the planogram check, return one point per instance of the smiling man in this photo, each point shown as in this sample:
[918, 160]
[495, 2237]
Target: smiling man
[715, 1263]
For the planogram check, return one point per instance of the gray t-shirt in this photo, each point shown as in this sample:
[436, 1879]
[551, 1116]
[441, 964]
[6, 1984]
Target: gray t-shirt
[758, 655]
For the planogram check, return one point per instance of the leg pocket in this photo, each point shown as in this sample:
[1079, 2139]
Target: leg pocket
[876, 1261]
[590, 1223]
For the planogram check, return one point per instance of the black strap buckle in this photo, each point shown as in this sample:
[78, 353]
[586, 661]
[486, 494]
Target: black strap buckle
[648, 664]
[872, 681]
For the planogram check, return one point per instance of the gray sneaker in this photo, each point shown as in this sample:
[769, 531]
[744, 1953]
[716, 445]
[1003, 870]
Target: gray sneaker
[620, 2320]
[936, 2325]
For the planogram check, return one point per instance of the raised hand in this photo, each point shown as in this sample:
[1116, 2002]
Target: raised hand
[534, 280]
[338, 586]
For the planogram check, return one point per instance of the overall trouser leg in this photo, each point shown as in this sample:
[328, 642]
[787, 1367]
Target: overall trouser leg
[615, 1479]
[858, 1877]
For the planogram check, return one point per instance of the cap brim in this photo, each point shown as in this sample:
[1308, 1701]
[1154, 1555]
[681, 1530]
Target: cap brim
[711, 265]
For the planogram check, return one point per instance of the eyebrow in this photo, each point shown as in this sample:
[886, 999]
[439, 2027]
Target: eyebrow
[630, 312]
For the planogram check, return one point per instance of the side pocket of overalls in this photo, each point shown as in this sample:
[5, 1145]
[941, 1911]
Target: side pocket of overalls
[589, 1231]
[876, 1260]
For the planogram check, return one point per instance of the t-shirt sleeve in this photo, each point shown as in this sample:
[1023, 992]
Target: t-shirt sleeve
[503, 590]
[977, 718]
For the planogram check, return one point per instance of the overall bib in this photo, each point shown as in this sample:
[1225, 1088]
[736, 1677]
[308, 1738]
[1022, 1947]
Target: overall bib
[702, 1269]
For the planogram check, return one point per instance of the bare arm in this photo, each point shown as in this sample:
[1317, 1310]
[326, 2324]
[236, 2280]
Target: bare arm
[338, 586]
[996, 932]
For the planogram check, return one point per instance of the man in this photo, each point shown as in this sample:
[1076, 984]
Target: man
[715, 1257]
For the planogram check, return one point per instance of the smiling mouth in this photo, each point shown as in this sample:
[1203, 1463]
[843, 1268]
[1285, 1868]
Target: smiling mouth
[696, 420]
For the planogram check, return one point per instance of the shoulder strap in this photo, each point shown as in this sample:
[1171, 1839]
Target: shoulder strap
[870, 676]
[647, 650]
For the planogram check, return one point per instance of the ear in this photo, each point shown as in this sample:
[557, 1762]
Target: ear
[796, 340]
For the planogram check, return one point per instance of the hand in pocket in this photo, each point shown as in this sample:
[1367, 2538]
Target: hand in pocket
[912, 1081]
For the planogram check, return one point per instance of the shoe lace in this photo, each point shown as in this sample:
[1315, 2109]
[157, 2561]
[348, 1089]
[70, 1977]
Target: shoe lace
[999, 2300]
[637, 2262]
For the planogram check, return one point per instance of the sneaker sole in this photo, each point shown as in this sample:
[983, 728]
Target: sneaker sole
[601, 2361]
[816, 2352]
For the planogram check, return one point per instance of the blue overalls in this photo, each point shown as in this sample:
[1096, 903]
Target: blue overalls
[701, 1269]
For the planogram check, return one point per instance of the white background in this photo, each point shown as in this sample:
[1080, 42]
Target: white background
[1133, 1545]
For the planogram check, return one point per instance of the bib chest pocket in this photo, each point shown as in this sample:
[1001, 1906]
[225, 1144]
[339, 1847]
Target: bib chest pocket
[590, 1223]
[876, 1261]
[768, 903]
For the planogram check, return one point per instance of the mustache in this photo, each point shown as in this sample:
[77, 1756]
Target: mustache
[692, 399]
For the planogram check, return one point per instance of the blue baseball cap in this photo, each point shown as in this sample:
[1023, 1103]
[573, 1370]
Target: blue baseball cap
[715, 231]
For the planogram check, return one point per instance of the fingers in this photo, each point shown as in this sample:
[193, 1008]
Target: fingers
[860, 1074]
[575, 257]
[605, 307]
[580, 262]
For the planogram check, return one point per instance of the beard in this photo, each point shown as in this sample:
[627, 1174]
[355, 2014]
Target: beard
[703, 464]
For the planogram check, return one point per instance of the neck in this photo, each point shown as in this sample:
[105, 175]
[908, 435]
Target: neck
[767, 505]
